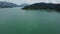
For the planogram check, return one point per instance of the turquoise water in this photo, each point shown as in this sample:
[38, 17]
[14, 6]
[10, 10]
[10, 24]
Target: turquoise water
[18, 21]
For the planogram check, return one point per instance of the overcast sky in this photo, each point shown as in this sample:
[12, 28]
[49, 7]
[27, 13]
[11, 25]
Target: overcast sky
[31, 1]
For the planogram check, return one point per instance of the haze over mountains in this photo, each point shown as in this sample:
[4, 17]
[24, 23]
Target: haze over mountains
[45, 5]
[4, 4]
[31, 1]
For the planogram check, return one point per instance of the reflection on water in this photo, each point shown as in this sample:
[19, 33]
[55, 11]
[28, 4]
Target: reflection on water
[18, 21]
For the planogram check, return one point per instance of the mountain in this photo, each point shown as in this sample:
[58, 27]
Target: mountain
[23, 5]
[4, 4]
[47, 6]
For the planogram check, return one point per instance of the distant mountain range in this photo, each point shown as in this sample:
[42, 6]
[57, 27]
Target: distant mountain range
[23, 5]
[4, 4]
[7, 5]
[46, 6]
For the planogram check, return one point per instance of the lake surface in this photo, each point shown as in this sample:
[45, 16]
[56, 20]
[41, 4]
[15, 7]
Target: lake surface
[18, 21]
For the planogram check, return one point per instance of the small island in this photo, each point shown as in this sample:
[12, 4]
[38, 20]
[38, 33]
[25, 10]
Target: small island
[49, 6]
[4, 4]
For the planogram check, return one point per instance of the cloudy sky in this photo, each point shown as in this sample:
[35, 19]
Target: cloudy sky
[31, 1]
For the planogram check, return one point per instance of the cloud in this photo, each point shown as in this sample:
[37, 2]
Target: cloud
[31, 1]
